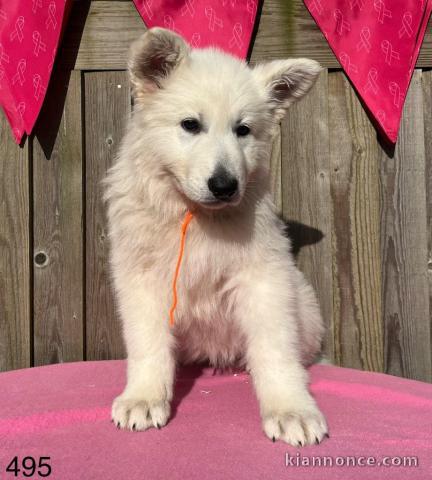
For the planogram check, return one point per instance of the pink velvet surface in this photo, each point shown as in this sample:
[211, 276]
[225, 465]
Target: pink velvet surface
[63, 411]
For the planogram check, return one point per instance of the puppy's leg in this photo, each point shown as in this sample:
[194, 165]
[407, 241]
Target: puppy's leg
[268, 313]
[145, 401]
[311, 324]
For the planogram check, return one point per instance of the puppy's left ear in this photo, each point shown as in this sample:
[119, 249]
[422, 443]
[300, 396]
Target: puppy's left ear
[286, 81]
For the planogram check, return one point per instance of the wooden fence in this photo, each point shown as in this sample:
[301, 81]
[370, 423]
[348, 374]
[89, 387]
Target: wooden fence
[361, 211]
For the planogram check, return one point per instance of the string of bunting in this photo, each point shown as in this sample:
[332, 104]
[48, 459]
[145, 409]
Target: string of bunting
[377, 43]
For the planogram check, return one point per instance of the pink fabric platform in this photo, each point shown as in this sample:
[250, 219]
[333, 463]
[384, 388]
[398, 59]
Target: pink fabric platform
[63, 411]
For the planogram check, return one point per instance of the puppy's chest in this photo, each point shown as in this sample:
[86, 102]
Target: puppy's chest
[208, 257]
[207, 275]
[208, 268]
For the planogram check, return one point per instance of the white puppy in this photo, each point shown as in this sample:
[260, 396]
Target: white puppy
[198, 140]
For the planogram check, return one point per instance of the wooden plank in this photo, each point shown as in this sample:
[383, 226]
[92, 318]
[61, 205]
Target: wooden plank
[15, 327]
[404, 247]
[275, 171]
[286, 29]
[58, 226]
[427, 107]
[306, 193]
[107, 105]
[355, 155]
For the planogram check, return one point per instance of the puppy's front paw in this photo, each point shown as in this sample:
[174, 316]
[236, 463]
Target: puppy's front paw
[136, 413]
[297, 425]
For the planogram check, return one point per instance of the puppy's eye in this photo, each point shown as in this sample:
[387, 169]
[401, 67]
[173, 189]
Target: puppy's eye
[242, 130]
[191, 125]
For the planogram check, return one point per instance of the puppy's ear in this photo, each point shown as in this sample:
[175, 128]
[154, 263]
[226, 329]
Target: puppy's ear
[153, 57]
[286, 81]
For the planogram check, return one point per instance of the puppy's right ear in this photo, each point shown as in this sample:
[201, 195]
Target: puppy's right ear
[153, 57]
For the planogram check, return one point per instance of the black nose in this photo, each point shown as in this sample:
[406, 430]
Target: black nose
[222, 184]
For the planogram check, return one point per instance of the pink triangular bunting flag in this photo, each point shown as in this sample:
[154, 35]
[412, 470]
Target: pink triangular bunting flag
[227, 24]
[29, 36]
[377, 42]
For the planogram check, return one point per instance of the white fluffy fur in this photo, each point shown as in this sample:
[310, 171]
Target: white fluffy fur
[241, 297]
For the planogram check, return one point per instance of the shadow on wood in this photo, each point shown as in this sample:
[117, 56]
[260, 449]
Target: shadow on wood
[48, 122]
[255, 29]
[301, 235]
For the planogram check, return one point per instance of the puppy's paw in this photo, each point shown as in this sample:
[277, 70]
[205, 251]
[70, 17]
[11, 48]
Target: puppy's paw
[139, 414]
[297, 425]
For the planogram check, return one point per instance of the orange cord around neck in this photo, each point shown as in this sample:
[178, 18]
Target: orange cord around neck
[184, 227]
